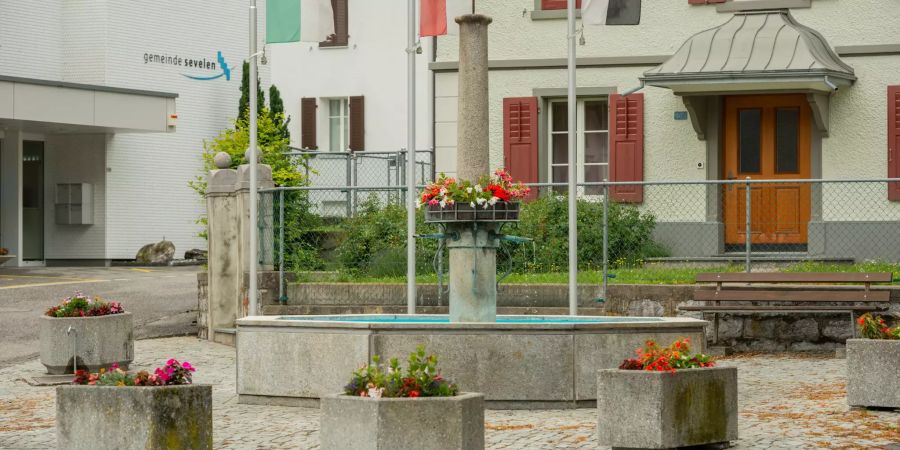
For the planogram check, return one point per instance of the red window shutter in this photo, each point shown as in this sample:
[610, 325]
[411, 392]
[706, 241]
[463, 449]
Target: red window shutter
[894, 141]
[357, 123]
[626, 158]
[308, 123]
[520, 139]
[558, 4]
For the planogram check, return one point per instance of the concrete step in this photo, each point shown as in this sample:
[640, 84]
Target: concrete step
[276, 310]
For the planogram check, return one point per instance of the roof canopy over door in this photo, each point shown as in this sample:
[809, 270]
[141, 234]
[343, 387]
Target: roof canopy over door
[754, 52]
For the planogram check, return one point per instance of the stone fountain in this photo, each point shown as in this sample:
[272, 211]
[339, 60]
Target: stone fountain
[516, 361]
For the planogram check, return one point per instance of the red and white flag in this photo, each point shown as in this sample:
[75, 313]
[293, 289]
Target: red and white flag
[594, 12]
[437, 16]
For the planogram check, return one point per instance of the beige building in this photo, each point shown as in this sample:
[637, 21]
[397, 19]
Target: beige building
[790, 90]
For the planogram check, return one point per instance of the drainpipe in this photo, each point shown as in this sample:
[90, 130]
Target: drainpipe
[833, 86]
[635, 89]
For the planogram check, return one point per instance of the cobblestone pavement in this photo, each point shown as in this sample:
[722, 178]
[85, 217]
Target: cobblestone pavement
[786, 402]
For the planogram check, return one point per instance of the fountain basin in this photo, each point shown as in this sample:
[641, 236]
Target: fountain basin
[535, 362]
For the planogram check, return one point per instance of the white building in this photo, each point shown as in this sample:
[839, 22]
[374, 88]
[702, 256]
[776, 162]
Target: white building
[791, 89]
[93, 162]
[350, 96]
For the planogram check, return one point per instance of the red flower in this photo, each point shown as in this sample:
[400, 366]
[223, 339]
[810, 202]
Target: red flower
[414, 394]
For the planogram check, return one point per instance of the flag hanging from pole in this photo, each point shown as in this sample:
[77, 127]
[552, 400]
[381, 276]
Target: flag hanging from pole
[437, 16]
[595, 12]
[298, 21]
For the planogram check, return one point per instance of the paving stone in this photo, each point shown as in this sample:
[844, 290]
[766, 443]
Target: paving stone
[786, 402]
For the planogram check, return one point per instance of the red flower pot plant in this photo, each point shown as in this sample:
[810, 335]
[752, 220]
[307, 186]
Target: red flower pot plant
[654, 357]
[871, 327]
[421, 378]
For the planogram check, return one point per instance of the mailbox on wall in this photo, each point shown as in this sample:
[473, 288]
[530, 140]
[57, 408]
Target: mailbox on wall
[74, 204]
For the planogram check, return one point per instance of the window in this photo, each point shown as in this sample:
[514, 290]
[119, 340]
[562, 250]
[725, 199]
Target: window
[338, 125]
[620, 12]
[592, 144]
[341, 36]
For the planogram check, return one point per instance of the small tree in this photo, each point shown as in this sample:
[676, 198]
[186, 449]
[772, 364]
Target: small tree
[276, 111]
[244, 102]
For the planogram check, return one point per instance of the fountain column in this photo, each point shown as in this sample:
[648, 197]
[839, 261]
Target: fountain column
[473, 249]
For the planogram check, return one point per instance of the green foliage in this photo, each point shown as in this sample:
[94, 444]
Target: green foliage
[374, 241]
[422, 378]
[871, 327]
[244, 102]
[546, 221]
[276, 111]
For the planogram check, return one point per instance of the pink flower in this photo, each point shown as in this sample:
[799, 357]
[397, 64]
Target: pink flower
[187, 366]
[172, 362]
[162, 375]
[114, 366]
[433, 202]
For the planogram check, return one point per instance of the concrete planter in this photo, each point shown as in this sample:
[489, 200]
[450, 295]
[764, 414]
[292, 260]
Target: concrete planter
[425, 423]
[641, 409]
[138, 418]
[99, 342]
[873, 373]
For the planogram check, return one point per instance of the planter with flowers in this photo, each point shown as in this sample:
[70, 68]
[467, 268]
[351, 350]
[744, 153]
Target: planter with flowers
[490, 199]
[667, 397]
[873, 364]
[116, 409]
[384, 407]
[86, 332]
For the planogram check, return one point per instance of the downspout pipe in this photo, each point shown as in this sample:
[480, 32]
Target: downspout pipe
[635, 89]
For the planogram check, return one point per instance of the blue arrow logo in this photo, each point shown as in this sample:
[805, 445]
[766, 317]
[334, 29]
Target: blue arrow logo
[226, 71]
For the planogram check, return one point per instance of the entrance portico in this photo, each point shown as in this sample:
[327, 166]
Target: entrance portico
[53, 144]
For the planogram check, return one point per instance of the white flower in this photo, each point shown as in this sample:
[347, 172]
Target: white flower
[376, 392]
[493, 201]
[480, 200]
[472, 204]
[469, 190]
[443, 203]
[418, 205]
[444, 191]
[478, 188]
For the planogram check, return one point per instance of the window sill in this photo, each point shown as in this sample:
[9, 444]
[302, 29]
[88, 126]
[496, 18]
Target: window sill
[333, 47]
[757, 5]
[553, 14]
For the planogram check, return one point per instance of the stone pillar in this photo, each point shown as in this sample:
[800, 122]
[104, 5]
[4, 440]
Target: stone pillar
[473, 150]
[473, 272]
[473, 246]
[228, 215]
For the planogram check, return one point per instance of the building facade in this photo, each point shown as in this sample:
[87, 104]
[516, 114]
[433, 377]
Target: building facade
[790, 90]
[104, 108]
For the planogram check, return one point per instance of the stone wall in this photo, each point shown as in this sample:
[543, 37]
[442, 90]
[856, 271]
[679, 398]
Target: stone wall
[751, 332]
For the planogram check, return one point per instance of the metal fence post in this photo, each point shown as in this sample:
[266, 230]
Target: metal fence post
[748, 232]
[355, 182]
[605, 238]
[349, 184]
[281, 297]
[401, 157]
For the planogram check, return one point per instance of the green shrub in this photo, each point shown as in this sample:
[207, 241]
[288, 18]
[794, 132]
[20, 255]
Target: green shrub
[374, 241]
[546, 221]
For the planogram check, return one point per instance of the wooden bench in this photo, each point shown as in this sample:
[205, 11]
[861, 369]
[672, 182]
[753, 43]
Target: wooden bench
[813, 297]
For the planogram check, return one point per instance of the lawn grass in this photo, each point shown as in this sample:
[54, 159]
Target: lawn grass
[649, 274]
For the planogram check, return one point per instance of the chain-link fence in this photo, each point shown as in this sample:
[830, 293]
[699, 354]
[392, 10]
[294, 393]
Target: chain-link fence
[352, 178]
[358, 233]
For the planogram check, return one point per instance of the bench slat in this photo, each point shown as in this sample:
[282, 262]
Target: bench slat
[804, 277]
[738, 308]
[746, 295]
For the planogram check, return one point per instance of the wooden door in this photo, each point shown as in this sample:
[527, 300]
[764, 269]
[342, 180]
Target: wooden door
[767, 137]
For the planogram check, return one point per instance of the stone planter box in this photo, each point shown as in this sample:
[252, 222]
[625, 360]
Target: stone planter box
[99, 342]
[641, 409]
[425, 423]
[138, 418]
[873, 373]
[499, 212]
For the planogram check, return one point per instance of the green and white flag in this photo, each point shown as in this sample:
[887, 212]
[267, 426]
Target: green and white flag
[298, 21]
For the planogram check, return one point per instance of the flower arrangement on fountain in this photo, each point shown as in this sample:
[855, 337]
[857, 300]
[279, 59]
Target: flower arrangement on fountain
[421, 379]
[81, 305]
[486, 192]
[173, 373]
[871, 327]
[654, 357]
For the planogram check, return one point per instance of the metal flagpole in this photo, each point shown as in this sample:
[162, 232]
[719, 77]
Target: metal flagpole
[573, 169]
[411, 162]
[251, 289]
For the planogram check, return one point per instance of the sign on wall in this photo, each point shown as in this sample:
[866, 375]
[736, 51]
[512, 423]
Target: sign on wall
[219, 67]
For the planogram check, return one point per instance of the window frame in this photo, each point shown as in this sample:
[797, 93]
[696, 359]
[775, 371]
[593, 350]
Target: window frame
[343, 117]
[580, 139]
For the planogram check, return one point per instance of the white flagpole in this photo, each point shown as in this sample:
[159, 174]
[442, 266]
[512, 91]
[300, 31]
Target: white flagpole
[411, 162]
[573, 168]
[253, 231]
